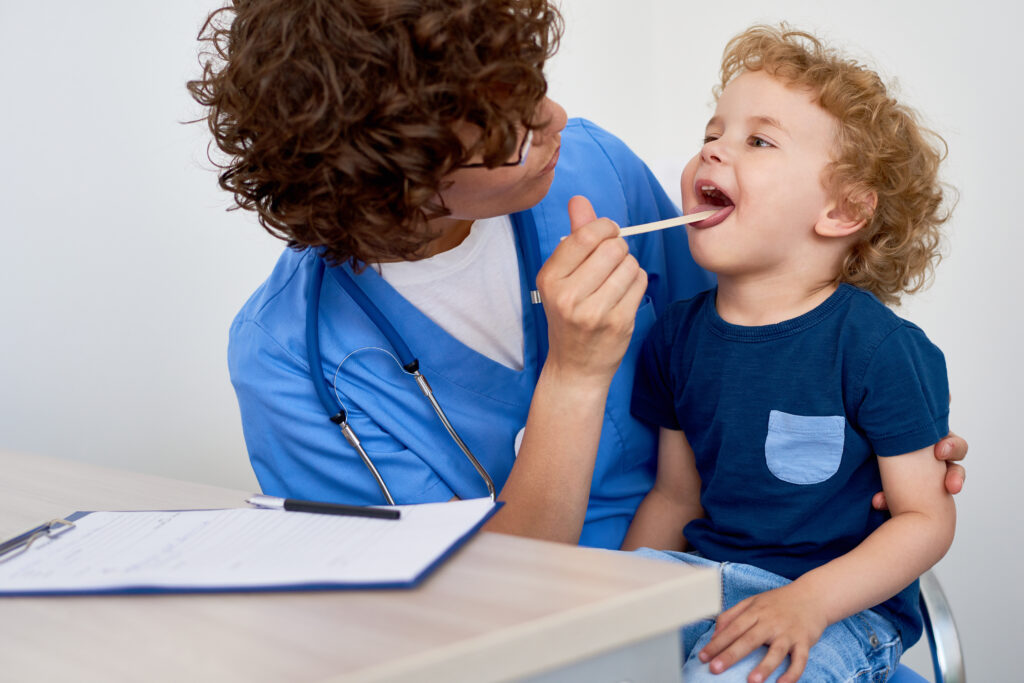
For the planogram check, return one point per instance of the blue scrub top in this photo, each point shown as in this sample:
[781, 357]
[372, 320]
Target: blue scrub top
[297, 452]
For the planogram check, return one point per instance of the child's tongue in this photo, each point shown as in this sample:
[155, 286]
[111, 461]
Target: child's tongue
[706, 207]
[722, 212]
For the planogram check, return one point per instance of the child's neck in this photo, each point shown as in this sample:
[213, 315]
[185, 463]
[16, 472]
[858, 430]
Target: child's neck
[767, 301]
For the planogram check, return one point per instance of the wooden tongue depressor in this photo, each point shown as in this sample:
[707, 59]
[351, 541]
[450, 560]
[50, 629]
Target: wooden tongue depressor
[661, 225]
[670, 223]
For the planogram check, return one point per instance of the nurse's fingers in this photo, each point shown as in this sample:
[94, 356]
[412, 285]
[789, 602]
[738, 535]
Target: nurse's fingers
[593, 273]
[623, 313]
[581, 212]
[623, 290]
[588, 235]
[590, 287]
[590, 337]
[610, 311]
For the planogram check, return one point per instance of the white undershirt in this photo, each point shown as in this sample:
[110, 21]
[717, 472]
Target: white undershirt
[471, 291]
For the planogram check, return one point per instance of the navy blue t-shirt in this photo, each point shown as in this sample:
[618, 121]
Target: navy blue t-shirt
[785, 421]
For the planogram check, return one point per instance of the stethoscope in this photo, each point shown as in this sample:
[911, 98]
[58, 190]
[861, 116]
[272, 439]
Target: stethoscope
[529, 254]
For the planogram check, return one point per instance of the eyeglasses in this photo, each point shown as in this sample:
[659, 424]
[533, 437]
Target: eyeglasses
[524, 149]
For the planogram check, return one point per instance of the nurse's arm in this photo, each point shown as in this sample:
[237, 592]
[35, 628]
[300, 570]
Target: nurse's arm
[591, 288]
[548, 489]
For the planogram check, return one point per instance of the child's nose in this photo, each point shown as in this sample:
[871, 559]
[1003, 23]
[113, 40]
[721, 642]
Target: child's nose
[713, 151]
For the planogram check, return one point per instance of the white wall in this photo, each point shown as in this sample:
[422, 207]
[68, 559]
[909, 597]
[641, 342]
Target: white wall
[121, 270]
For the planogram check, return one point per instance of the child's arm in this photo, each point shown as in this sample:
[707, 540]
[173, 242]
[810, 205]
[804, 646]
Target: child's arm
[791, 619]
[672, 502]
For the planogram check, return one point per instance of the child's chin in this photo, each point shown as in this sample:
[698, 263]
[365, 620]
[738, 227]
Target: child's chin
[703, 255]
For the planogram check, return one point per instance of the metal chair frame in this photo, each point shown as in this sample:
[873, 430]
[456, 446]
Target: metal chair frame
[943, 637]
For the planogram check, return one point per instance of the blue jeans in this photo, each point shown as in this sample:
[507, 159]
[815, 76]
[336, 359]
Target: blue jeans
[864, 648]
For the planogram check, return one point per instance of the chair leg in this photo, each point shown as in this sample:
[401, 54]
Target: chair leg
[943, 637]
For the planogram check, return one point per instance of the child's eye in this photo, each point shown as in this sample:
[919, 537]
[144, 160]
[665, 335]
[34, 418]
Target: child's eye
[709, 138]
[755, 141]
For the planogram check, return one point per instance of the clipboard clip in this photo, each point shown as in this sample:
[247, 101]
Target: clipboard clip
[19, 544]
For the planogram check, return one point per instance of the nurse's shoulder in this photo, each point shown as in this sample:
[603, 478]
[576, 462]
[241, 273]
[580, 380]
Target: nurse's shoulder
[276, 311]
[598, 165]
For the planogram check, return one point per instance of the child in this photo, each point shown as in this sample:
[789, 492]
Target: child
[775, 392]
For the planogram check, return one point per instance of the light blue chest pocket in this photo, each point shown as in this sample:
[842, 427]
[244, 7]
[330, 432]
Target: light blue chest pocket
[802, 449]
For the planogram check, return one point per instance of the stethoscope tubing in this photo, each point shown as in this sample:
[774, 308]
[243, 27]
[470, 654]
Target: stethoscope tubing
[528, 247]
[408, 362]
[424, 386]
[334, 408]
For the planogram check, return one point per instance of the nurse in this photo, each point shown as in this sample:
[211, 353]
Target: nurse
[408, 154]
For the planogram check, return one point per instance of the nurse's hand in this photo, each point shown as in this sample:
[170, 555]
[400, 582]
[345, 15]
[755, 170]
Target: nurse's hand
[952, 449]
[591, 287]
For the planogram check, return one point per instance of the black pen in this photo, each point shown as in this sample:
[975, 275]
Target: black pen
[292, 505]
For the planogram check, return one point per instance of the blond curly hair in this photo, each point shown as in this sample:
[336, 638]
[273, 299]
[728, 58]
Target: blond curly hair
[882, 152]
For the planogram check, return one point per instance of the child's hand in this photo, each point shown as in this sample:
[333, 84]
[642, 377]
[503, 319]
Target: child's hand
[789, 620]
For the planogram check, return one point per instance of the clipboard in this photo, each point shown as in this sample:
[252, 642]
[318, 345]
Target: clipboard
[236, 550]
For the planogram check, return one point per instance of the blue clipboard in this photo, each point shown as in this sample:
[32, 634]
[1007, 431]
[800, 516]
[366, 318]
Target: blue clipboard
[37, 553]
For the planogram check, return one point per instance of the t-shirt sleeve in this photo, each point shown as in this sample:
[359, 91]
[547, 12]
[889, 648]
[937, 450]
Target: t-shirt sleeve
[653, 395]
[905, 404]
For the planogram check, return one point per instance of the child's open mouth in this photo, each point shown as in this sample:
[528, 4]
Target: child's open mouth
[712, 198]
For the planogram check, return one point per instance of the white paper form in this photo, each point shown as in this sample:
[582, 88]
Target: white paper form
[241, 549]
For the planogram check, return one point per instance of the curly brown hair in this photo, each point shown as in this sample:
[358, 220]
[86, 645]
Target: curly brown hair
[882, 153]
[337, 117]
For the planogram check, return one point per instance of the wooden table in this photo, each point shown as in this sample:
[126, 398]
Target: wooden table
[503, 608]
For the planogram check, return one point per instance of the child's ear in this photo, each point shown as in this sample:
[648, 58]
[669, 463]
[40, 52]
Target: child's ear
[846, 216]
